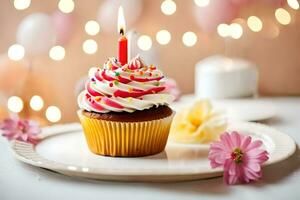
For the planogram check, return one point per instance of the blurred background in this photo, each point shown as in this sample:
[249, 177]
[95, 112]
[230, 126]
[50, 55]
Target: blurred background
[47, 47]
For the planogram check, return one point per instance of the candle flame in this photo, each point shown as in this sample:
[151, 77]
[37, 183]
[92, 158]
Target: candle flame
[121, 21]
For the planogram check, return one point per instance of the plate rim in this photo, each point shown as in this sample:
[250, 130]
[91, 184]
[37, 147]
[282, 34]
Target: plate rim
[37, 160]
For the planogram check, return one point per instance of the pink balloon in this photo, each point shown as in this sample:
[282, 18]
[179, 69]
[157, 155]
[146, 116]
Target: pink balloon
[217, 12]
[64, 24]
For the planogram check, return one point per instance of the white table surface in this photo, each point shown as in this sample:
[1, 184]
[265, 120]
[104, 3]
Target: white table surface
[280, 181]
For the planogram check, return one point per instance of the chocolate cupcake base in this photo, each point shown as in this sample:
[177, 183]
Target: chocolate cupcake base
[140, 133]
[137, 116]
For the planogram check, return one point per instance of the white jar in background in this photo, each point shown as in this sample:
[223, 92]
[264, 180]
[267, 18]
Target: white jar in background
[222, 77]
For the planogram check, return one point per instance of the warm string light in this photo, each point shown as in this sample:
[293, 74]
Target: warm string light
[92, 27]
[144, 42]
[189, 39]
[15, 104]
[294, 4]
[57, 53]
[36, 103]
[53, 114]
[92, 71]
[233, 30]
[16, 52]
[202, 3]
[21, 4]
[163, 37]
[236, 30]
[255, 24]
[283, 16]
[223, 30]
[90, 46]
[168, 7]
[66, 6]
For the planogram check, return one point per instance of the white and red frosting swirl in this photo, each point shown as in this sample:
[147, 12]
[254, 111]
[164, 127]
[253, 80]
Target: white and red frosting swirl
[133, 86]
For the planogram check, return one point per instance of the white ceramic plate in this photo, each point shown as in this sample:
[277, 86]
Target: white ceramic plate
[236, 109]
[63, 149]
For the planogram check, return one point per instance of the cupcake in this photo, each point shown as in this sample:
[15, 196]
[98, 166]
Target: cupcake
[124, 109]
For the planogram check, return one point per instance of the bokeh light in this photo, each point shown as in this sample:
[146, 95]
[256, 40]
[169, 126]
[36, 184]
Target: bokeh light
[16, 52]
[53, 114]
[236, 30]
[66, 6]
[223, 30]
[163, 37]
[189, 39]
[144, 42]
[168, 7]
[283, 16]
[90, 46]
[202, 3]
[21, 4]
[57, 53]
[255, 24]
[92, 27]
[36, 103]
[92, 71]
[293, 4]
[15, 104]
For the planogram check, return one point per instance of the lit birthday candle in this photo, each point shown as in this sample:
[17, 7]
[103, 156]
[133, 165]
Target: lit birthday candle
[123, 51]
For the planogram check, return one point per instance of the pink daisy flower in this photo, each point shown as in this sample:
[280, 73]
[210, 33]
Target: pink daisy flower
[15, 128]
[240, 157]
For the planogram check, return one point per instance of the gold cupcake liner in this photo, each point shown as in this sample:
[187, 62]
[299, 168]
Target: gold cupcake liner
[125, 139]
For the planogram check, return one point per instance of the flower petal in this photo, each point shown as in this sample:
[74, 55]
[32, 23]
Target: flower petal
[245, 142]
[253, 145]
[226, 140]
[254, 166]
[236, 139]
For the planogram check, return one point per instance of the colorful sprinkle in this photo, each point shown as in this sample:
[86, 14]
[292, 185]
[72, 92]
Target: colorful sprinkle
[130, 89]
[141, 72]
[131, 77]
[152, 67]
[97, 99]
[130, 99]
[156, 83]
[93, 79]
[117, 73]
[150, 74]
[116, 82]
[111, 84]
